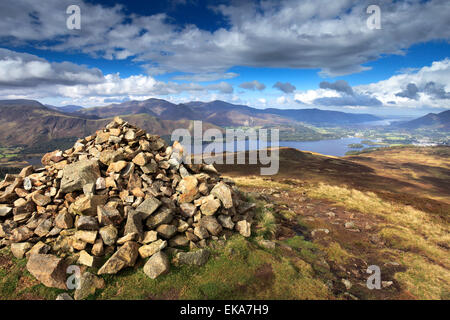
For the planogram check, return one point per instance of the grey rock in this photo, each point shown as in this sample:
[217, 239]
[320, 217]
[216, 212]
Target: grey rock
[267, 244]
[223, 193]
[162, 216]
[77, 174]
[152, 248]
[179, 241]
[19, 249]
[210, 223]
[88, 284]
[166, 230]
[244, 228]
[87, 236]
[188, 209]
[100, 183]
[124, 257]
[226, 221]
[48, 269]
[109, 234]
[196, 258]
[349, 225]
[5, 211]
[64, 220]
[347, 284]
[54, 232]
[201, 232]
[87, 260]
[40, 199]
[157, 265]
[20, 234]
[150, 236]
[86, 223]
[134, 224]
[63, 296]
[209, 205]
[148, 207]
[39, 248]
[108, 215]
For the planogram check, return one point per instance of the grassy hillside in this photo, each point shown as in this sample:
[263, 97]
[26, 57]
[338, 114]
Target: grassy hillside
[330, 219]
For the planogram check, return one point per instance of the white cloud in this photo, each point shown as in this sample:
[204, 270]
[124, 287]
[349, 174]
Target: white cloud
[139, 85]
[308, 96]
[28, 76]
[437, 76]
[281, 100]
[427, 87]
[287, 34]
[26, 70]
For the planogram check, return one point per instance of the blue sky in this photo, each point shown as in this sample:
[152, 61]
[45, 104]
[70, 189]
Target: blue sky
[283, 54]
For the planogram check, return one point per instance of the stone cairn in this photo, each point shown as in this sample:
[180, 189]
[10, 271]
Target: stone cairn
[120, 193]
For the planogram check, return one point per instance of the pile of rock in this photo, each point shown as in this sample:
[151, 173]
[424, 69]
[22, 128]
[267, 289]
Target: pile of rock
[121, 193]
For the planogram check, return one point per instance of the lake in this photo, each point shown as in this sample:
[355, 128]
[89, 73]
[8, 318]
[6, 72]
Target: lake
[384, 122]
[333, 147]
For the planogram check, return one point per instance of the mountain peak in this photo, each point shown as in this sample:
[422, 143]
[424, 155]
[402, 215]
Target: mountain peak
[431, 120]
[21, 102]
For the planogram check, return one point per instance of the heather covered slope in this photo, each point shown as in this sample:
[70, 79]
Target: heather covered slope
[319, 224]
[429, 121]
[389, 208]
[418, 176]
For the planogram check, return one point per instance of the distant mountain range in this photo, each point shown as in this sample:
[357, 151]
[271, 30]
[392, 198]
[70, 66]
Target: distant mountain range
[67, 108]
[28, 122]
[431, 121]
[226, 114]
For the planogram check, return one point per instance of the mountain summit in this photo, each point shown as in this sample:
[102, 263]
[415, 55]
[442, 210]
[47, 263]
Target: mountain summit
[123, 192]
[431, 120]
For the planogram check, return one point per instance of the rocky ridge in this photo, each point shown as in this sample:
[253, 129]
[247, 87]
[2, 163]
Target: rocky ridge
[120, 193]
